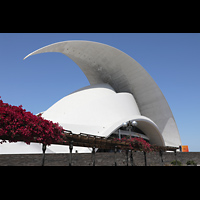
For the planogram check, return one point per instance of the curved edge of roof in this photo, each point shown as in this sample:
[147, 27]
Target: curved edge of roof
[145, 124]
[48, 48]
[102, 63]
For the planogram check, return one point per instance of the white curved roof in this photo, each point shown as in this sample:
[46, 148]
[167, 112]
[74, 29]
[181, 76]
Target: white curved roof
[104, 64]
[99, 110]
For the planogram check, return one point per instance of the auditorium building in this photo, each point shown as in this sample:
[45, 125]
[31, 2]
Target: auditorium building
[122, 100]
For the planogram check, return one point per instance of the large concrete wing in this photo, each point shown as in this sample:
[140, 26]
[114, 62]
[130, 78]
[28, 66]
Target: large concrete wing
[105, 64]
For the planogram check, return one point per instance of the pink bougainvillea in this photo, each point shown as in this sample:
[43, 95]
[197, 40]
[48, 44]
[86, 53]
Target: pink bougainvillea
[138, 144]
[16, 124]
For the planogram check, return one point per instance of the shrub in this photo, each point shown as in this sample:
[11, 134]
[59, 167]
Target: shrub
[176, 162]
[16, 124]
[191, 162]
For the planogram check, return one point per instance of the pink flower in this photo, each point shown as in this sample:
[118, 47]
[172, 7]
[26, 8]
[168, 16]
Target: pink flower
[17, 124]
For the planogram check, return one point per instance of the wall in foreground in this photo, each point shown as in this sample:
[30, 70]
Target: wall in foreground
[102, 159]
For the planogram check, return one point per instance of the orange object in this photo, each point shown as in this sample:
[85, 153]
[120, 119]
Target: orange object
[184, 148]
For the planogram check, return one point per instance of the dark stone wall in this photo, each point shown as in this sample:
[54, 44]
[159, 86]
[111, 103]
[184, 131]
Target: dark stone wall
[101, 159]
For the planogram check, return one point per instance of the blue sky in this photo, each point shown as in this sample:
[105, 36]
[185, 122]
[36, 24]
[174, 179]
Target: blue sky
[172, 59]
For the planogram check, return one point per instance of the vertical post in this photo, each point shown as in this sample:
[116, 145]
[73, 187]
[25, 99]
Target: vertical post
[131, 159]
[115, 151]
[93, 155]
[70, 155]
[127, 157]
[119, 134]
[175, 156]
[43, 150]
[145, 159]
[161, 159]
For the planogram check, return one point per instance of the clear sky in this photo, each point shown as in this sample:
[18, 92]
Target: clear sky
[172, 59]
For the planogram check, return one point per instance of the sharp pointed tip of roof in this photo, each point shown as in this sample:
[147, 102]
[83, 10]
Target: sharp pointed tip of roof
[27, 56]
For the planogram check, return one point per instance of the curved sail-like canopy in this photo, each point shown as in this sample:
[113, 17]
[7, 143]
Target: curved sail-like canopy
[104, 64]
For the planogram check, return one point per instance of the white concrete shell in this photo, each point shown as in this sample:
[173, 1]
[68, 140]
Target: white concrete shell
[104, 64]
[99, 110]
[120, 90]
